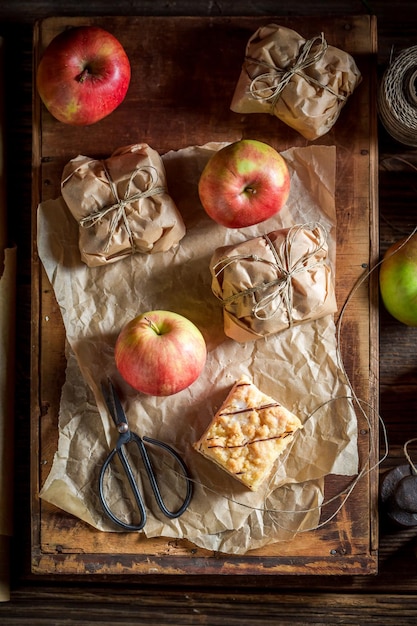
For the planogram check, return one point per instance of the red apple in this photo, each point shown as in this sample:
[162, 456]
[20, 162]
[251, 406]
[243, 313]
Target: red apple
[244, 183]
[398, 280]
[160, 353]
[83, 75]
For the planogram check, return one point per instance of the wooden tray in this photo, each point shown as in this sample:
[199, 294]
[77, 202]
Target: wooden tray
[184, 73]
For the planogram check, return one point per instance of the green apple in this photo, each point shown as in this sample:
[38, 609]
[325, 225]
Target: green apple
[398, 280]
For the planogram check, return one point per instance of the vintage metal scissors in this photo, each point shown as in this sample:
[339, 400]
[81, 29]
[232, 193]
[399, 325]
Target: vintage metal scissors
[126, 436]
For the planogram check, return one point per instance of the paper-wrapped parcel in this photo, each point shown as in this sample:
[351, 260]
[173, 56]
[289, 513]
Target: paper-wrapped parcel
[304, 83]
[121, 204]
[269, 283]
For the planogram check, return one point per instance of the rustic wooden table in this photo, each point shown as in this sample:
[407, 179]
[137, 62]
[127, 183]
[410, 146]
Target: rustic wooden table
[390, 597]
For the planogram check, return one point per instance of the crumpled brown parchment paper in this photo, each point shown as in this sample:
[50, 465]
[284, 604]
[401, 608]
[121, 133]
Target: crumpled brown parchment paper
[304, 83]
[299, 367]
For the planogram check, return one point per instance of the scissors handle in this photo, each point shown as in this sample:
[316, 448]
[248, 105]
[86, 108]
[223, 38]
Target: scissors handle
[119, 450]
[137, 495]
[153, 479]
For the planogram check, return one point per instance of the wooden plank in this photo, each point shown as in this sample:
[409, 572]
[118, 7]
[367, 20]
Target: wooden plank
[218, 607]
[195, 62]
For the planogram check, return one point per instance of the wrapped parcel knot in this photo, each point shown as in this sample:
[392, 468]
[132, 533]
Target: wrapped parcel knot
[277, 294]
[118, 207]
[269, 85]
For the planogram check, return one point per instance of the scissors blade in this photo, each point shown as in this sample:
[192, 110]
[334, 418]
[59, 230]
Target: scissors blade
[114, 405]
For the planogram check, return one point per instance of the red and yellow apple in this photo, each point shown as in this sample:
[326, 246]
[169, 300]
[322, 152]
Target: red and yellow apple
[160, 353]
[83, 75]
[244, 183]
[398, 280]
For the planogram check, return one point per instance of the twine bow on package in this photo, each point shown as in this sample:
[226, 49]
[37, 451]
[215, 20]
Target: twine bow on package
[121, 204]
[304, 83]
[269, 283]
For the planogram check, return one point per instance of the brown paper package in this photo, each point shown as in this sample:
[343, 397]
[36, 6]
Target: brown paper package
[270, 283]
[303, 83]
[121, 204]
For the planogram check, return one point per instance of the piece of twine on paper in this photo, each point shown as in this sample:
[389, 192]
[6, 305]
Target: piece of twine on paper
[118, 208]
[277, 78]
[397, 97]
[363, 408]
[279, 290]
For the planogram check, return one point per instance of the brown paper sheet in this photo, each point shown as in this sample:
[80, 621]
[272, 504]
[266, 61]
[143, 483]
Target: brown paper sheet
[303, 83]
[298, 367]
[7, 355]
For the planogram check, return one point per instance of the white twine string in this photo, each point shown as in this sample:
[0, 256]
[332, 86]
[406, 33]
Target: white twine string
[397, 97]
[407, 456]
[277, 78]
[118, 208]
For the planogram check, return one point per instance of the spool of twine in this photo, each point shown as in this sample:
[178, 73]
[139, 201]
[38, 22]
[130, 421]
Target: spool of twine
[397, 97]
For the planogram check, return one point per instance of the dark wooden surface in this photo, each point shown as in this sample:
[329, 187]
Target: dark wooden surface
[387, 598]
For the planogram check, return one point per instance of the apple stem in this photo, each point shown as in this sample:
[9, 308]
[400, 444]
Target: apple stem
[153, 325]
[82, 77]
